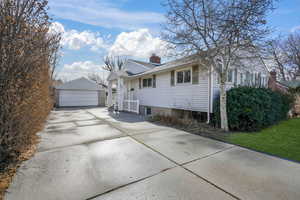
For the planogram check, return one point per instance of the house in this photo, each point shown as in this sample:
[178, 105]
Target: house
[284, 86]
[276, 85]
[80, 92]
[293, 83]
[179, 86]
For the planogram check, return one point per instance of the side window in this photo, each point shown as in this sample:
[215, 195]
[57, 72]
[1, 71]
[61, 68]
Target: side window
[180, 77]
[248, 78]
[172, 78]
[187, 76]
[183, 76]
[154, 81]
[195, 78]
[259, 80]
[140, 83]
[235, 76]
[251, 79]
[147, 82]
[230, 76]
[241, 78]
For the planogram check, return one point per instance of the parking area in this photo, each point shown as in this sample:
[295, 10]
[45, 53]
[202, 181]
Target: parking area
[95, 154]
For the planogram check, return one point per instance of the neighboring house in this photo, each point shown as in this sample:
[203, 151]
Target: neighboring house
[80, 92]
[177, 86]
[276, 85]
[292, 84]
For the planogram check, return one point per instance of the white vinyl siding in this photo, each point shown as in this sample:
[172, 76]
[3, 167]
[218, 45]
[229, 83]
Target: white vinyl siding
[245, 76]
[181, 96]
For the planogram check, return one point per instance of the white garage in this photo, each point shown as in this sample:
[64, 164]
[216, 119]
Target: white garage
[80, 92]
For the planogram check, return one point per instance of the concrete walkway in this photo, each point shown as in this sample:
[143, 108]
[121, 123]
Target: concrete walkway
[91, 154]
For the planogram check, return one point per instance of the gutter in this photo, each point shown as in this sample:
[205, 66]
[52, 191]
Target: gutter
[160, 71]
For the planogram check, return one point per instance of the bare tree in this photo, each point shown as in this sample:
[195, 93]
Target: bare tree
[55, 54]
[218, 30]
[292, 49]
[285, 53]
[97, 78]
[276, 52]
[112, 63]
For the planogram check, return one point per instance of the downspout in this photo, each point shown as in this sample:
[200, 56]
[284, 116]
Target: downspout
[209, 95]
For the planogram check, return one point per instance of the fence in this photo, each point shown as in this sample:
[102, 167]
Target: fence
[131, 105]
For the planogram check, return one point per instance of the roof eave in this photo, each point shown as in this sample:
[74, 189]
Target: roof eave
[162, 70]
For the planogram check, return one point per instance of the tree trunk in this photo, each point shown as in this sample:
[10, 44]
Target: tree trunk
[223, 109]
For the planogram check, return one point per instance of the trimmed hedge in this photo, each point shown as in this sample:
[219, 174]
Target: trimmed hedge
[251, 109]
[26, 60]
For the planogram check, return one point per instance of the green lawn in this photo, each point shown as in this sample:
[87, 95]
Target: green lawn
[282, 140]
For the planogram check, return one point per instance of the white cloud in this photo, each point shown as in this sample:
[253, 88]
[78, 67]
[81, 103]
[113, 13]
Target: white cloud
[296, 28]
[80, 69]
[103, 13]
[56, 27]
[139, 44]
[76, 40]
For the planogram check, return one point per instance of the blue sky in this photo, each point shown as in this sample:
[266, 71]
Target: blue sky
[95, 28]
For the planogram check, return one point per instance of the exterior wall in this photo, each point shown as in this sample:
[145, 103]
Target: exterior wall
[194, 97]
[181, 96]
[156, 110]
[101, 98]
[256, 68]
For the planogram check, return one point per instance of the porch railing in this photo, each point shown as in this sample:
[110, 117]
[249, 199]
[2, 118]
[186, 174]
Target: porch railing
[131, 105]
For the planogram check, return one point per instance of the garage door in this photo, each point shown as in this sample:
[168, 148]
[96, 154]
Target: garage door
[78, 98]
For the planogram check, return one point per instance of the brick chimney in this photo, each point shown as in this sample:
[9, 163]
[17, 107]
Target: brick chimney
[154, 59]
[273, 75]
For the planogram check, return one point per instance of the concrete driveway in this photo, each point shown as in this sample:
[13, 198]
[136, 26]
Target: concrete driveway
[91, 154]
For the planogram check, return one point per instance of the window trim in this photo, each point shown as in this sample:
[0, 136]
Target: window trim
[147, 82]
[232, 76]
[227, 82]
[183, 70]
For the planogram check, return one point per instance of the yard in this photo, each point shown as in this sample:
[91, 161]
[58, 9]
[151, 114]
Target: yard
[282, 140]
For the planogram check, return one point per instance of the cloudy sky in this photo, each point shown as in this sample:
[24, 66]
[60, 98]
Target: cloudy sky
[94, 28]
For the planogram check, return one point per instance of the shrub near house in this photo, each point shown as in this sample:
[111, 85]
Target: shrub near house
[251, 109]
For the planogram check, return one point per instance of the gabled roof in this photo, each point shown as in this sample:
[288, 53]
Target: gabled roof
[79, 84]
[133, 67]
[171, 65]
[149, 65]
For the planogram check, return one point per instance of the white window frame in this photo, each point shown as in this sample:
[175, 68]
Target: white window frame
[146, 78]
[232, 74]
[183, 70]
[241, 81]
[232, 79]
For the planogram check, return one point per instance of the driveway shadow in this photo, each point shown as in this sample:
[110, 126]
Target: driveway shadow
[127, 117]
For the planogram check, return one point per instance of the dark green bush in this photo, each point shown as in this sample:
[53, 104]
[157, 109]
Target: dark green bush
[251, 109]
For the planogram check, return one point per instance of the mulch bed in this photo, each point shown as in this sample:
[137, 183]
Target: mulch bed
[198, 128]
